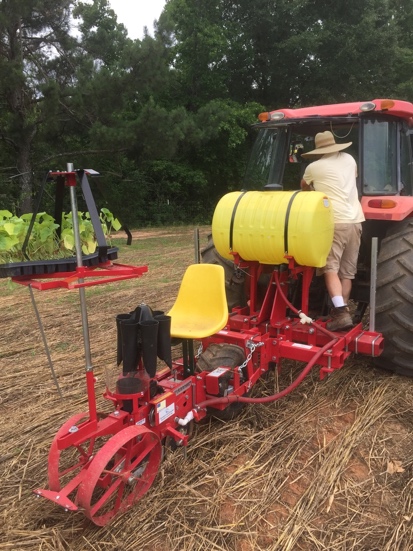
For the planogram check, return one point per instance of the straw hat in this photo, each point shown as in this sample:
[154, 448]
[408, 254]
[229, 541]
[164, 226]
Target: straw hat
[325, 143]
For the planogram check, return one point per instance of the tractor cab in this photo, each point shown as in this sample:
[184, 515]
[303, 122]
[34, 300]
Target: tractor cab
[381, 145]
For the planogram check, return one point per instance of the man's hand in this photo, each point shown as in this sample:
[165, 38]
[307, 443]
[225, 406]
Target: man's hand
[306, 187]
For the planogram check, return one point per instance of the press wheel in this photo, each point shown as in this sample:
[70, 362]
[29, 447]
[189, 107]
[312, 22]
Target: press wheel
[121, 472]
[63, 462]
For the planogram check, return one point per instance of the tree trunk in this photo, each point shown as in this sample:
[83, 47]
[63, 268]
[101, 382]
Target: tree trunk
[26, 177]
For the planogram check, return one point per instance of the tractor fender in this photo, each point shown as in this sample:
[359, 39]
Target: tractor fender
[385, 207]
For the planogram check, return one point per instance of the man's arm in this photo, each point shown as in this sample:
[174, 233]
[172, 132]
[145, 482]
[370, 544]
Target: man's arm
[306, 187]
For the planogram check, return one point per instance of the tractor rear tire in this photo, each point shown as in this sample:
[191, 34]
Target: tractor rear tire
[234, 279]
[394, 298]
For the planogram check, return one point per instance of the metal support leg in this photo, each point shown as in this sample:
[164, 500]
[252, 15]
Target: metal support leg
[46, 347]
[188, 357]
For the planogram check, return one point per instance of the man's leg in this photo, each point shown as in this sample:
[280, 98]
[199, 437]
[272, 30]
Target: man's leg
[340, 316]
[335, 288]
[346, 287]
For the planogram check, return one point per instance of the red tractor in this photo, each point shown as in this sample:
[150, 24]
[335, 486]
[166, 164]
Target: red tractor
[381, 134]
[102, 463]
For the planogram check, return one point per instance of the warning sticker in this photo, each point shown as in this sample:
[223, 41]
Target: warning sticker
[166, 412]
[161, 404]
[218, 372]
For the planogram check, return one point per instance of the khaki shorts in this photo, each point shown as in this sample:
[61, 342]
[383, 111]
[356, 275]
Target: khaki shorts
[342, 258]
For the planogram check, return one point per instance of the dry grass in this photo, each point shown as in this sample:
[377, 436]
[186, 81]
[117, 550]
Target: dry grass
[311, 472]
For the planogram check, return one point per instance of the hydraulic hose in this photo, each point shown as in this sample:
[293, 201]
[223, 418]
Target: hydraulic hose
[298, 312]
[235, 398]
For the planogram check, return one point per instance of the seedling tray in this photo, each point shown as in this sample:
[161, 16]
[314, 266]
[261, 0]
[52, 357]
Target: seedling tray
[59, 265]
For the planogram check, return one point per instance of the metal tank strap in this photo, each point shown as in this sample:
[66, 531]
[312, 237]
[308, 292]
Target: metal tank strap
[287, 217]
[231, 226]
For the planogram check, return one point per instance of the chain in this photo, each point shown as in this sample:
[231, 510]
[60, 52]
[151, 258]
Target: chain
[252, 346]
[199, 352]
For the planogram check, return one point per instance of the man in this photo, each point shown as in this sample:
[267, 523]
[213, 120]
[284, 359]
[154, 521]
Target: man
[334, 173]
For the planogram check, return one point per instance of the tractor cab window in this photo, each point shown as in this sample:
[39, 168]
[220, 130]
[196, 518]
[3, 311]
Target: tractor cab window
[379, 157]
[266, 164]
[276, 160]
[304, 141]
[406, 165]
[295, 163]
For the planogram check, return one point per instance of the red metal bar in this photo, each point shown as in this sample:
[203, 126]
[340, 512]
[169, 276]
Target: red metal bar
[69, 280]
[91, 395]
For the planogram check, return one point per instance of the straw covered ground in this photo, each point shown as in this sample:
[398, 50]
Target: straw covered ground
[327, 468]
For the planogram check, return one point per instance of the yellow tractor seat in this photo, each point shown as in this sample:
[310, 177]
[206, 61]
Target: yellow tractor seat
[200, 309]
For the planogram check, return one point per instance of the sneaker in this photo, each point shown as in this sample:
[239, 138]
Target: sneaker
[340, 319]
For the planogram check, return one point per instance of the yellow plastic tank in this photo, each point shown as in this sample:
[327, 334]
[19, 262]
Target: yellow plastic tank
[265, 226]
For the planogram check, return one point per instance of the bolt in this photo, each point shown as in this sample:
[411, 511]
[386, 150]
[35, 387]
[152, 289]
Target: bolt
[116, 412]
[57, 497]
[287, 327]
[273, 358]
[311, 331]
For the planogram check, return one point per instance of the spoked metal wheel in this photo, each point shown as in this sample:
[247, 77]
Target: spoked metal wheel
[121, 472]
[62, 463]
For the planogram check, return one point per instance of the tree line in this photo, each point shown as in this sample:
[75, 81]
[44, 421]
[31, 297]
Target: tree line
[166, 120]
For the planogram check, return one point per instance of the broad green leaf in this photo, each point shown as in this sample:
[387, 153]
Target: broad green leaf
[47, 217]
[10, 228]
[89, 247]
[5, 214]
[7, 243]
[46, 233]
[27, 217]
[69, 242]
[116, 224]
